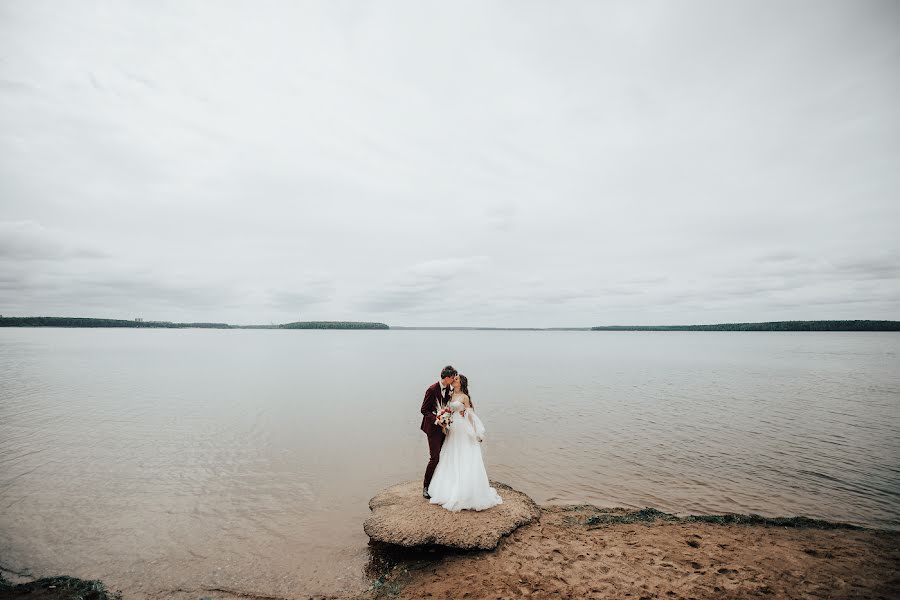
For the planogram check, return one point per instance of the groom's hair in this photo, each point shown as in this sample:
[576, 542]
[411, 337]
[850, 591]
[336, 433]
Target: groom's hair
[448, 371]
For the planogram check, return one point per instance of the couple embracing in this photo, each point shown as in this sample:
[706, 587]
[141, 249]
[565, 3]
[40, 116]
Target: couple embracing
[455, 477]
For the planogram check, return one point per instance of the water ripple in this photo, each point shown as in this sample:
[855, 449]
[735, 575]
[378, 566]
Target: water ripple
[211, 447]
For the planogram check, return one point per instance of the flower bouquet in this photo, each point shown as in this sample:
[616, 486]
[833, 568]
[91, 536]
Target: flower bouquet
[443, 418]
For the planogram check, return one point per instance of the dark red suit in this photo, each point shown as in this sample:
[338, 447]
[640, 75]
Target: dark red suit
[434, 432]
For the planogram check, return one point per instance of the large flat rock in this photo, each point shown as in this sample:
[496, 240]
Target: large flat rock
[400, 515]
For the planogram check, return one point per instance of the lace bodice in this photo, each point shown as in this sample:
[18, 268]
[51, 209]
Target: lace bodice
[456, 405]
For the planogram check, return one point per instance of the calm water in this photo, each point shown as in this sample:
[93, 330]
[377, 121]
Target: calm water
[170, 462]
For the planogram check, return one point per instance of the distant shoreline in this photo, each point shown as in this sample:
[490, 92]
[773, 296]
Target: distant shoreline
[90, 323]
[765, 326]
[86, 322]
[399, 328]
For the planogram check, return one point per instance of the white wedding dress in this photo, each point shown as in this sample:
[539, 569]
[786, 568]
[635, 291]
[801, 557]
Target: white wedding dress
[460, 480]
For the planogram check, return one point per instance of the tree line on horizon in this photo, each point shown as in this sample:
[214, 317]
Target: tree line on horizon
[92, 322]
[856, 325]
[333, 325]
[767, 326]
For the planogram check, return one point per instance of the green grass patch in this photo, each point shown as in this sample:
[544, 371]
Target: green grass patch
[68, 588]
[737, 519]
[650, 515]
[645, 515]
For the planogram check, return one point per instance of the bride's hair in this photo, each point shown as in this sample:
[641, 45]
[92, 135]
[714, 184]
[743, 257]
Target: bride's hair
[464, 387]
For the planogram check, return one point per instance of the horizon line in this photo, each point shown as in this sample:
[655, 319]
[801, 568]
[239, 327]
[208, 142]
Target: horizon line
[470, 327]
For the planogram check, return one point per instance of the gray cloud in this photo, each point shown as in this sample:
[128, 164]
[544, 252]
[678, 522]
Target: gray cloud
[14, 87]
[433, 285]
[451, 164]
[27, 240]
[501, 216]
[301, 297]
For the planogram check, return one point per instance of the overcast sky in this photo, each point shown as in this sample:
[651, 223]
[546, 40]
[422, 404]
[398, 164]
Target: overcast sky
[451, 163]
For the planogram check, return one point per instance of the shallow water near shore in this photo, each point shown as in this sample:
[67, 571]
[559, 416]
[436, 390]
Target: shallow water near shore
[171, 462]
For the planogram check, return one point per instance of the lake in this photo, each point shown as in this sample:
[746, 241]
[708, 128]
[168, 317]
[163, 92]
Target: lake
[174, 462]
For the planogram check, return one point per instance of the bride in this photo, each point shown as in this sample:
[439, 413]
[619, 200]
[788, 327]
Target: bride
[460, 480]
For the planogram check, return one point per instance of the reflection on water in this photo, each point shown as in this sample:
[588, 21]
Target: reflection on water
[162, 460]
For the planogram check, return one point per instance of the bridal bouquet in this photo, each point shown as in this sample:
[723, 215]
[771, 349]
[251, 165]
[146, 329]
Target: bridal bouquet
[443, 418]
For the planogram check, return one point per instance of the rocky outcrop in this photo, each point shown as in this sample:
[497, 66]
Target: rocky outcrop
[401, 516]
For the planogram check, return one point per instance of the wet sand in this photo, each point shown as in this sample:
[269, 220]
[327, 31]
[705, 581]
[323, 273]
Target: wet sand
[582, 552]
[587, 552]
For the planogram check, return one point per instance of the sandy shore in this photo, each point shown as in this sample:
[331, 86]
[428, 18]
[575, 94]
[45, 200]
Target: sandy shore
[586, 552]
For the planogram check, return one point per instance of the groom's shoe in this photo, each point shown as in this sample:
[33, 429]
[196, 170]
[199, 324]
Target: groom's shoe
[425, 493]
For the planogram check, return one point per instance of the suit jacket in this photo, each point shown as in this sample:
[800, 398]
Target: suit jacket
[429, 406]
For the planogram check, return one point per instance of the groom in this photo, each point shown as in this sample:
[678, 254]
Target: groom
[436, 397]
